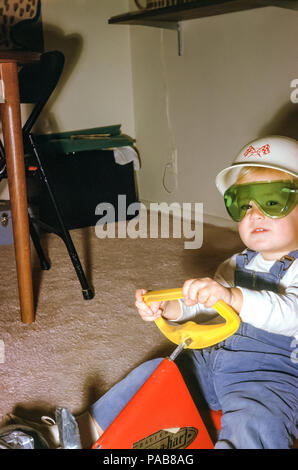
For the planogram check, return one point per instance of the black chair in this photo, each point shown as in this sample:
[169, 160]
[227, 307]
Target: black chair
[37, 83]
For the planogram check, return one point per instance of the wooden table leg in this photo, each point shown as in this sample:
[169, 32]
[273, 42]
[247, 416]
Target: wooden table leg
[13, 143]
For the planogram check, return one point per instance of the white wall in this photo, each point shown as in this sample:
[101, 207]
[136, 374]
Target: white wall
[231, 85]
[96, 87]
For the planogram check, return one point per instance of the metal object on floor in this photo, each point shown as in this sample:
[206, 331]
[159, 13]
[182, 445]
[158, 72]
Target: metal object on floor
[68, 429]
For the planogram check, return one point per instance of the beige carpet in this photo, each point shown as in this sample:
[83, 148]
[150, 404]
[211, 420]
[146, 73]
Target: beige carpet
[77, 349]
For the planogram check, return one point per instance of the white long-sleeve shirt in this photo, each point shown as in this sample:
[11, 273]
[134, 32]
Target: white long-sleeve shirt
[270, 311]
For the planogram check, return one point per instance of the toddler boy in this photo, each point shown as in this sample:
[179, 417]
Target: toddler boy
[253, 375]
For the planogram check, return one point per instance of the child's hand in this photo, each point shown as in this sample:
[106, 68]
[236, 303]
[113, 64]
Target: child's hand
[205, 291]
[147, 313]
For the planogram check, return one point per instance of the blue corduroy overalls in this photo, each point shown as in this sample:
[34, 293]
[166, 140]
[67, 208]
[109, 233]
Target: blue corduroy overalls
[249, 376]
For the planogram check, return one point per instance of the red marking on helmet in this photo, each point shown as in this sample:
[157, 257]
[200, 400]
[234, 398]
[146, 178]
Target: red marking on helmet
[260, 152]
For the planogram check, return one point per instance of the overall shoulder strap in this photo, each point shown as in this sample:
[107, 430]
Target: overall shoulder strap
[281, 266]
[244, 258]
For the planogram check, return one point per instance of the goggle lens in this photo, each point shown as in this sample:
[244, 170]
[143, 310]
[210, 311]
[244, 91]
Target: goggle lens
[275, 199]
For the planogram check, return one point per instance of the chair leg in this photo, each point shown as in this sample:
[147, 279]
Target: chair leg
[63, 233]
[44, 263]
[86, 290]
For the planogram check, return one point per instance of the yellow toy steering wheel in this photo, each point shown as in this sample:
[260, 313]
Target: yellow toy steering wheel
[191, 334]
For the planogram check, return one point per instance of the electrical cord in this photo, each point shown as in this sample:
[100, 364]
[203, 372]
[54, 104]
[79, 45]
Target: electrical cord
[170, 164]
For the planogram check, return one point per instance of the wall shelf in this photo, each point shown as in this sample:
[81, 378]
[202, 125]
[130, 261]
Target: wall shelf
[171, 17]
[199, 9]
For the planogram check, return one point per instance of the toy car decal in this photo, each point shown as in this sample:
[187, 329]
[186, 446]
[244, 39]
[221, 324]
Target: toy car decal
[178, 438]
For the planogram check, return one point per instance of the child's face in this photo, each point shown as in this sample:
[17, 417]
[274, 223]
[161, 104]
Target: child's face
[273, 238]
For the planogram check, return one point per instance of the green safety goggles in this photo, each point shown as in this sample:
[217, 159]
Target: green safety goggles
[275, 199]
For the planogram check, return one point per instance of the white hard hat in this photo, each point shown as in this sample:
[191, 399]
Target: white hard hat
[274, 151]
